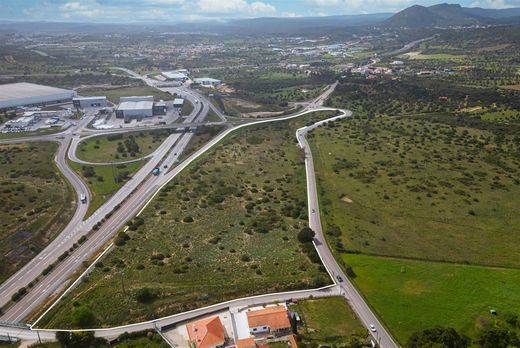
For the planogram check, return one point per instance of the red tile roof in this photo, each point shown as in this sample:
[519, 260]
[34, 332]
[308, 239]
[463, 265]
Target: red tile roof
[245, 343]
[206, 332]
[275, 317]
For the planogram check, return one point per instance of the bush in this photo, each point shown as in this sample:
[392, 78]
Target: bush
[306, 235]
[144, 295]
[438, 337]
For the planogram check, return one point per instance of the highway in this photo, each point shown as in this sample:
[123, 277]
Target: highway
[48, 284]
[144, 188]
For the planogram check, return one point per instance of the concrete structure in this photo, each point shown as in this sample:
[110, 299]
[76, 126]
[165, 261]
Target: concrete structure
[130, 110]
[136, 98]
[159, 108]
[89, 102]
[13, 95]
[272, 320]
[21, 122]
[178, 102]
[207, 81]
[174, 76]
[206, 333]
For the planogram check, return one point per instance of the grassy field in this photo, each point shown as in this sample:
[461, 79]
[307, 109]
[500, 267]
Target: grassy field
[154, 341]
[436, 56]
[46, 131]
[413, 295]
[415, 189]
[224, 228]
[114, 94]
[104, 181]
[212, 116]
[187, 108]
[36, 202]
[328, 321]
[120, 147]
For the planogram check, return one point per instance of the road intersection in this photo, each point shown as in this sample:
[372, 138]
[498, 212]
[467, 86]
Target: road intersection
[132, 199]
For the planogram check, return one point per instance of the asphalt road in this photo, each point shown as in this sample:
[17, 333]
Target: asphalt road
[365, 314]
[48, 285]
[144, 192]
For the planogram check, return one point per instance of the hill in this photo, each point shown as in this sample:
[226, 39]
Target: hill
[449, 15]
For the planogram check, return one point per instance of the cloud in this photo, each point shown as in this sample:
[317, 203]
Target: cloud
[235, 6]
[361, 5]
[77, 9]
[492, 4]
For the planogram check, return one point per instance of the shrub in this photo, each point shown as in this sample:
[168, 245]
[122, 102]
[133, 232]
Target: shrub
[306, 235]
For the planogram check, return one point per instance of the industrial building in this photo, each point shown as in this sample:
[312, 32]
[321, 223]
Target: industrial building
[178, 102]
[21, 123]
[174, 76]
[207, 82]
[13, 95]
[139, 107]
[89, 102]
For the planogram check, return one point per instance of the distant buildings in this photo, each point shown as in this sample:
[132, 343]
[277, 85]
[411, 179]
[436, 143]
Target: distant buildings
[174, 76]
[13, 95]
[207, 81]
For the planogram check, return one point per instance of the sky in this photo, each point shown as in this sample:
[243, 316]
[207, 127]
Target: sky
[163, 11]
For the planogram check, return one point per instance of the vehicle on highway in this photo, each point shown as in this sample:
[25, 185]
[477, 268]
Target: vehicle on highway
[339, 279]
[372, 327]
[83, 198]
[156, 171]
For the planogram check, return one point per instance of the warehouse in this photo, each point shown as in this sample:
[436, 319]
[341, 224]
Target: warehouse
[207, 82]
[131, 110]
[21, 123]
[13, 95]
[89, 102]
[136, 98]
[178, 102]
[174, 76]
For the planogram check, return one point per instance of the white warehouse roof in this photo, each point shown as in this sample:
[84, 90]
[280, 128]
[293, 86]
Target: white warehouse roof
[174, 75]
[24, 93]
[139, 105]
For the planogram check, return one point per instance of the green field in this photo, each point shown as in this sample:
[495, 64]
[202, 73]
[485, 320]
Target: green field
[104, 181]
[36, 202]
[120, 147]
[224, 228]
[439, 189]
[413, 295]
[328, 321]
[417, 189]
[153, 340]
[114, 94]
[187, 108]
[212, 116]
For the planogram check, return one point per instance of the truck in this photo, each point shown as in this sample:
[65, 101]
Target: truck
[83, 198]
[156, 171]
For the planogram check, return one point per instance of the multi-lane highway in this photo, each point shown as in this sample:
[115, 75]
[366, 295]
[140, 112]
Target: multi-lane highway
[138, 192]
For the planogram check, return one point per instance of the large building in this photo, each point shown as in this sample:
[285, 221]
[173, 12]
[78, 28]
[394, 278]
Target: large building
[89, 102]
[174, 76]
[272, 320]
[207, 82]
[139, 107]
[206, 333]
[13, 95]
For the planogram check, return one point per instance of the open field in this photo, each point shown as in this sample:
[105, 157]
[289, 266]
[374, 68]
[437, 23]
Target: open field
[187, 108]
[104, 181]
[46, 131]
[153, 341]
[120, 147]
[436, 56]
[224, 228]
[412, 188]
[36, 202]
[113, 94]
[414, 295]
[202, 135]
[328, 321]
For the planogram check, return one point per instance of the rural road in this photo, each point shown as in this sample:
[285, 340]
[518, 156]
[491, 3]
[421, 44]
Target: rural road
[143, 194]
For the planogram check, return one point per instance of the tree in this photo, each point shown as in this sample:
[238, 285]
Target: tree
[494, 338]
[438, 337]
[82, 317]
[306, 235]
[63, 337]
[144, 295]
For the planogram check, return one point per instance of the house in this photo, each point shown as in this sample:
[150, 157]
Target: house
[246, 343]
[270, 320]
[206, 333]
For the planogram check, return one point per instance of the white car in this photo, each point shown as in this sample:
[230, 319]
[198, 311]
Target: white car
[372, 327]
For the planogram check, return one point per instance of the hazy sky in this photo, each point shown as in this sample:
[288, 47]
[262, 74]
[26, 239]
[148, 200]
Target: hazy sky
[193, 10]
